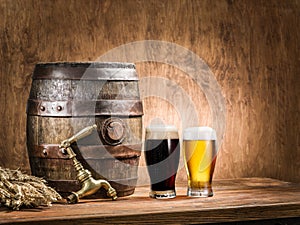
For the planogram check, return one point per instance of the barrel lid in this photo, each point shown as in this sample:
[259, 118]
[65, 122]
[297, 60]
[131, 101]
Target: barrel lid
[92, 64]
[85, 71]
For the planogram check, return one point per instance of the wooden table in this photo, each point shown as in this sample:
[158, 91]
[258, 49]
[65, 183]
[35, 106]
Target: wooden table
[249, 199]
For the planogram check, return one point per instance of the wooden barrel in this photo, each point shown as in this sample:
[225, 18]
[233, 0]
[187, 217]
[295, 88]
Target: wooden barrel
[67, 97]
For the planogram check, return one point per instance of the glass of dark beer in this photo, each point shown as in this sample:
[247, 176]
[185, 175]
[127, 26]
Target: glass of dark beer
[162, 152]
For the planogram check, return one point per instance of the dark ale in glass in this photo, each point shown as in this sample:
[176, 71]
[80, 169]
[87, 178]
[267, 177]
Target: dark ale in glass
[162, 152]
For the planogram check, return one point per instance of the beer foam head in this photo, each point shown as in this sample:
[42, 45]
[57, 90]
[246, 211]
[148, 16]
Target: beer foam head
[199, 133]
[161, 131]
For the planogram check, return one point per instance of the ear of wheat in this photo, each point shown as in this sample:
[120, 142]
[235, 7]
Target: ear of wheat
[20, 190]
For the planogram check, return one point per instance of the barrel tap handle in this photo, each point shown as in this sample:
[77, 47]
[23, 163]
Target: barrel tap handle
[81, 134]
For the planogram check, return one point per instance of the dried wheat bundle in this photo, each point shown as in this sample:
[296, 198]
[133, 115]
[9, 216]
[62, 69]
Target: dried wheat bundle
[20, 190]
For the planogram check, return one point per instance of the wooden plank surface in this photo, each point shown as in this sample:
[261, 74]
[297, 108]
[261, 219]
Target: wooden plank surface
[233, 200]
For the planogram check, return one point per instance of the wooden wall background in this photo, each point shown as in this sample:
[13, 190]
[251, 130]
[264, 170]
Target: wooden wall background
[252, 48]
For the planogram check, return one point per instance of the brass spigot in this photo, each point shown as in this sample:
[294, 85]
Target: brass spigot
[84, 176]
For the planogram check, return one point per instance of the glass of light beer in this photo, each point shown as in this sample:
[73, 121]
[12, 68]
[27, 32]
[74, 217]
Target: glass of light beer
[199, 145]
[162, 152]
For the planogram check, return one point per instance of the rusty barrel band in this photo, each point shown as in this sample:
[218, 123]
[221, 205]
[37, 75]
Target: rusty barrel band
[86, 71]
[85, 108]
[52, 151]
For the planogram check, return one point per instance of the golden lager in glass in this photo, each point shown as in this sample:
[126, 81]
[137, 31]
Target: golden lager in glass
[199, 146]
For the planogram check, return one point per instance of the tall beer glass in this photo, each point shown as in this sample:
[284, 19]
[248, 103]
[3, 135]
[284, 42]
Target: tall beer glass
[199, 144]
[162, 151]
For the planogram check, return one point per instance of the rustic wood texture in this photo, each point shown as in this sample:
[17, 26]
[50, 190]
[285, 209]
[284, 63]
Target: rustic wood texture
[252, 48]
[234, 200]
